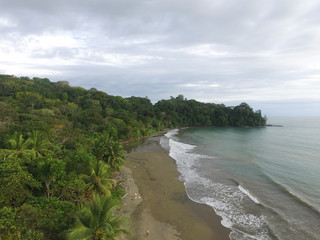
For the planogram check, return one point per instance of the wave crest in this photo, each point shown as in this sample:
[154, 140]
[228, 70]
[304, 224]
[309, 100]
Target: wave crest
[245, 191]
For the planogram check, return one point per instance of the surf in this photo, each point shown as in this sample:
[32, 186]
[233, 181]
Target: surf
[226, 200]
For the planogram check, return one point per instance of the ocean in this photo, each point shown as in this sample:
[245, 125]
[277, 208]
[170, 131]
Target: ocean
[263, 181]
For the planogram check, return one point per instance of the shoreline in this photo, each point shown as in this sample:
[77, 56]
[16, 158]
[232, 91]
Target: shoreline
[156, 134]
[164, 207]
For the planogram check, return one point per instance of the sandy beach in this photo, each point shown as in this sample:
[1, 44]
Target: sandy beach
[156, 200]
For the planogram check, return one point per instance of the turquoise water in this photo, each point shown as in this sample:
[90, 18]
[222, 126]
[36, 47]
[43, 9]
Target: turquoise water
[263, 182]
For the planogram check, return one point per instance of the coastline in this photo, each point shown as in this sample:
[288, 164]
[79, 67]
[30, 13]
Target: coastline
[164, 207]
[156, 134]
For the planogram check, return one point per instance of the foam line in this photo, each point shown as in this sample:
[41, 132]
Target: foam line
[246, 192]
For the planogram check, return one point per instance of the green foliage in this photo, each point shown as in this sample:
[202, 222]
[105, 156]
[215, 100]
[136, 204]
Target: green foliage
[105, 148]
[99, 180]
[8, 116]
[51, 171]
[40, 218]
[29, 99]
[100, 144]
[116, 156]
[96, 220]
[55, 215]
[118, 192]
[182, 112]
[16, 183]
[18, 223]
[72, 189]
[78, 161]
[19, 148]
[38, 143]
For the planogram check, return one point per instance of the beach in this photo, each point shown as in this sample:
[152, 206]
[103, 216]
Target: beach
[156, 200]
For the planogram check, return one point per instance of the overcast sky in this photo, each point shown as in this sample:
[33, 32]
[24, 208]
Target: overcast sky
[263, 52]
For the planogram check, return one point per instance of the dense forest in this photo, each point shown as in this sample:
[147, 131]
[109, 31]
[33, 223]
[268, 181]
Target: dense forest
[60, 150]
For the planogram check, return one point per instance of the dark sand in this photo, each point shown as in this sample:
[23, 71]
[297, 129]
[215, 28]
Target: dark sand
[164, 207]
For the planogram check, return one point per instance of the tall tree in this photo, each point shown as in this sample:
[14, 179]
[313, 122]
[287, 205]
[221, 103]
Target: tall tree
[100, 144]
[97, 220]
[99, 180]
[38, 143]
[19, 148]
[29, 98]
[116, 156]
[51, 172]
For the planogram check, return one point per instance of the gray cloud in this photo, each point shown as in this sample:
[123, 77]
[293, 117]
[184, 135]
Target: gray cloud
[223, 51]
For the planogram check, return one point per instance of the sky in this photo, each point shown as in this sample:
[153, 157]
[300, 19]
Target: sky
[263, 52]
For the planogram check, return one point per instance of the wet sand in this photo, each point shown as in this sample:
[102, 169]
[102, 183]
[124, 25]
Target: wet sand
[164, 207]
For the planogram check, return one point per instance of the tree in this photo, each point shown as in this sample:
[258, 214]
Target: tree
[99, 181]
[38, 143]
[15, 182]
[20, 148]
[29, 98]
[116, 156]
[96, 220]
[52, 216]
[70, 110]
[180, 97]
[98, 148]
[100, 144]
[8, 115]
[17, 223]
[51, 171]
[112, 152]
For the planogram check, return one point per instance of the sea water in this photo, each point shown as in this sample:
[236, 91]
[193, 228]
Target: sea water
[263, 181]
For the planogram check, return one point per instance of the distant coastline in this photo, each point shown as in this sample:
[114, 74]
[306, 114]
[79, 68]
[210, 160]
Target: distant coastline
[273, 125]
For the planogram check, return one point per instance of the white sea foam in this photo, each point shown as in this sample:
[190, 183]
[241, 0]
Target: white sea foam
[245, 191]
[164, 140]
[185, 161]
[226, 200]
[171, 133]
[180, 147]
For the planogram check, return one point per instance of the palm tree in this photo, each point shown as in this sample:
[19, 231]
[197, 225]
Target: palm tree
[100, 145]
[112, 152]
[99, 181]
[116, 156]
[98, 148]
[38, 143]
[96, 220]
[19, 147]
